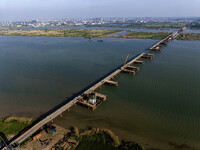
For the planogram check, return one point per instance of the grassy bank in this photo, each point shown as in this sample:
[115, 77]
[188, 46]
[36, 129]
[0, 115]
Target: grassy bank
[189, 36]
[13, 125]
[60, 32]
[145, 35]
[105, 139]
[95, 138]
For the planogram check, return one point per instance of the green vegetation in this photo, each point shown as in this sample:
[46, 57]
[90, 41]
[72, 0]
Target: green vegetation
[189, 36]
[194, 25]
[60, 32]
[180, 146]
[94, 139]
[13, 125]
[82, 33]
[152, 25]
[145, 35]
[105, 139]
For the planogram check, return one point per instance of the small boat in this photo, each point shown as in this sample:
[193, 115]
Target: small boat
[99, 40]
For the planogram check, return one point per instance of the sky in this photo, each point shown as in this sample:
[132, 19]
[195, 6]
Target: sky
[22, 10]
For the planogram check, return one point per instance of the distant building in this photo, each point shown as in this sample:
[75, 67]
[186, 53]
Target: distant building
[33, 21]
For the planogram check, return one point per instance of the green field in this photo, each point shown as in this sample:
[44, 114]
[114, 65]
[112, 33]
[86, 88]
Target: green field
[102, 141]
[13, 125]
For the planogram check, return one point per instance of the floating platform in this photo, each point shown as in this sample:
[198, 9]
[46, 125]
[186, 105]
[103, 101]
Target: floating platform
[88, 105]
[100, 98]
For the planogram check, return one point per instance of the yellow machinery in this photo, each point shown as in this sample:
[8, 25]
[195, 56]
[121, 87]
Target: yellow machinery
[125, 62]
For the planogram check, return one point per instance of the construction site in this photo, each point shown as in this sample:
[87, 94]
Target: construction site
[89, 98]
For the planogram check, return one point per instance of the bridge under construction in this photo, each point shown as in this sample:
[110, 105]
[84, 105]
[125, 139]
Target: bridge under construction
[89, 97]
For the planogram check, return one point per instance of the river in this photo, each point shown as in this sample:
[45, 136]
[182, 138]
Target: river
[160, 104]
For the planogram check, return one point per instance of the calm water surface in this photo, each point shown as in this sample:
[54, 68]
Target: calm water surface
[38, 72]
[191, 31]
[158, 105]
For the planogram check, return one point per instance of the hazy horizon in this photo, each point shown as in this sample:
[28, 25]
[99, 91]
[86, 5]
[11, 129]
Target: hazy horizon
[23, 10]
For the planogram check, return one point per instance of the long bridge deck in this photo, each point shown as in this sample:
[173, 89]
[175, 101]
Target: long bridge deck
[164, 41]
[91, 89]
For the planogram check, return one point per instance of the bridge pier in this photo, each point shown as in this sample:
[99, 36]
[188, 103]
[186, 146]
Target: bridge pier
[128, 71]
[138, 62]
[133, 68]
[109, 82]
[148, 56]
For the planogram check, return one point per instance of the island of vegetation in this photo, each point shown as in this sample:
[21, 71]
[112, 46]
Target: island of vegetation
[90, 33]
[60, 32]
[189, 36]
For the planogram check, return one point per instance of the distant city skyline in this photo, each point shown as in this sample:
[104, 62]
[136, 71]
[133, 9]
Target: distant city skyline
[22, 10]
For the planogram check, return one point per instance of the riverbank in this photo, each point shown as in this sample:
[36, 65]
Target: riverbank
[91, 138]
[75, 139]
[189, 36]
[72, 138]
[11, 126]
[60, 32]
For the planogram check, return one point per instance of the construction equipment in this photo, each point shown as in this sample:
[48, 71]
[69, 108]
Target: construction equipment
[125, 62]
[51, 130]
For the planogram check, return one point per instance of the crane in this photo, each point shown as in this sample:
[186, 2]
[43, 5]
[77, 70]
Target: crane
[125, 62]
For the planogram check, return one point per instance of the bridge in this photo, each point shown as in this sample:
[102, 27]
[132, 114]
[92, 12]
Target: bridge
[79, 99]
[171, 36]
